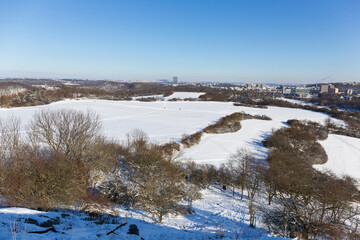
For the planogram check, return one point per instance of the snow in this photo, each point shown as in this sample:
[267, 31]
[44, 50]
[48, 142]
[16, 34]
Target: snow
[295, 101]
[177, 95]
[17, 210]
[217, 212]
[343, 155]
[161, 120]
[216, 148]
[183, 95]
[9, 90]
[164, 121]
[149, 96]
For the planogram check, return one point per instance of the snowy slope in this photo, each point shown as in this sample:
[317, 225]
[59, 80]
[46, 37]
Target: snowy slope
[165, 121]
[344, 155]
[177, 95]
[183, 95]
[217, 213]
[162, 120]
[216, 148]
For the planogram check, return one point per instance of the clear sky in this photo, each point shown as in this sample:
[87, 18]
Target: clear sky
[300, 41]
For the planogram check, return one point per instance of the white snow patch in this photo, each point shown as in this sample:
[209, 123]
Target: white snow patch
[18, 210]
[149, 96]
[216, 148]
[295, 101]
[217, 213]
[343, 156]
[183, 95]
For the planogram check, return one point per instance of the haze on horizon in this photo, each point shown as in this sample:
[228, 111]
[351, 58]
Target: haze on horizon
[299, 41]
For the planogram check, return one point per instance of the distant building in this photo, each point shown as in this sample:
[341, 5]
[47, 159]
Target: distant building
[349, 91]
[333, 89]
[286, 91]
[328, 88]
[300, 91]
[324, 88]
[175, 80]
[249, 85]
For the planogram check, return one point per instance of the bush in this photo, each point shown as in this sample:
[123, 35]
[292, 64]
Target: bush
[60, 162]
[231, 123]
[191, 140]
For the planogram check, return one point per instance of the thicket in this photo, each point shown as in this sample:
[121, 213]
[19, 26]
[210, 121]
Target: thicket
[308, 204]
[231, 123]
[50, 167]
[63, 160]
[338, 101]
[189, 140]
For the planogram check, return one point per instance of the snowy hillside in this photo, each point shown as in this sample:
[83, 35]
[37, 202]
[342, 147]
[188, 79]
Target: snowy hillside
[183, 95]
[175, 95]
[161, 120]
[217, 214]
[344, 155]
[216, 148]
[164, 121]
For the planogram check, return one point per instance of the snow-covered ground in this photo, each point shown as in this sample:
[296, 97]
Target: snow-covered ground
[216, 148]
[149, 96]
[295, 101]
[177, 95]
[161, 120]
[218, 213]
[164, 121]
[343, 155]
[183, 95]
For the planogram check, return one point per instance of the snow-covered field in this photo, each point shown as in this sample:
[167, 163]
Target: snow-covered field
[343, 155]
[164, 121]
[177, 95]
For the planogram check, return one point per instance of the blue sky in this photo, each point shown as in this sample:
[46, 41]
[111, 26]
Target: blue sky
[299, 41]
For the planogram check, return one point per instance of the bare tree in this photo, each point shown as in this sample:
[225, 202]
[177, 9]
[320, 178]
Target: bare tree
[69, 132]
[239, 165]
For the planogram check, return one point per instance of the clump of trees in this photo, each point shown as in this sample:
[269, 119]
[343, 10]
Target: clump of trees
[231, 123]
[51, 166]
[307, 203]
[300, 139]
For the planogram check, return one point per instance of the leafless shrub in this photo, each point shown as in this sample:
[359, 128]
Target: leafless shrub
[191, 140]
